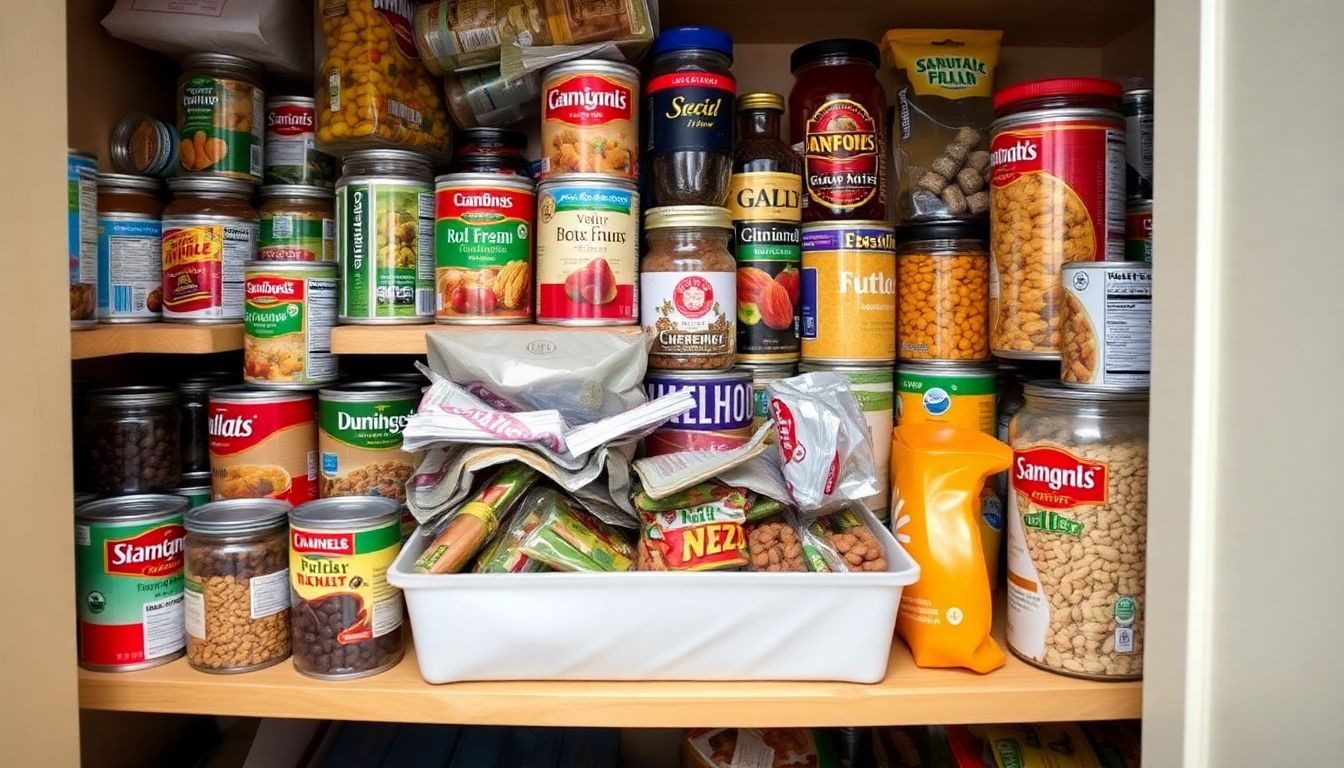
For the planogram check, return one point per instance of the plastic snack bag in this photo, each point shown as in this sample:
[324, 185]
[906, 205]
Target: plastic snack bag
[699, 529]
[823, 442]
[937, 472]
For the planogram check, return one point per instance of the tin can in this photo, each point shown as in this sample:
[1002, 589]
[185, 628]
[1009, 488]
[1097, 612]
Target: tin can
[1107, 336]
[1136, 105]
[128, 579]
[848, 295]
[81, 177]
[1139, 231]
[291, 308]
[359, 438]
[590, 119]
[291, 155]
[263, 444]
[587, 251]
[209, 234]
[195, 488]
[298, 223]
[485, 98]
[347, 620]
[874, 388]
[143, 146]
[761, 375]
[483, 224]
[385, 237]
[130, 249]
[720, 420]
[947, 393]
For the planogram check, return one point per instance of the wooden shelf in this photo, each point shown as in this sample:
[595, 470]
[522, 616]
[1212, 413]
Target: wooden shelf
[410, 339]
[908, 695]
[155, 338]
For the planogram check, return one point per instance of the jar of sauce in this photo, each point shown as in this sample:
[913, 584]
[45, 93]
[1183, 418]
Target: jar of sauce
[837, 123]
[690, 99]
[491, 150]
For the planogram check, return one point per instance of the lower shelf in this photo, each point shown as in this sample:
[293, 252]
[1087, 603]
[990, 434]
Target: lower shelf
[908, 695]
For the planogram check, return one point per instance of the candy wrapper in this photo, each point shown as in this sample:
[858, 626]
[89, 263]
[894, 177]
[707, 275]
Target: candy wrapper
[473, 523]
[823, 442]
[699, 529]
[563, 537]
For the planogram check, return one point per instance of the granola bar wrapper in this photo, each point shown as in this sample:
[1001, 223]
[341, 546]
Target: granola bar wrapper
[700, 529]
[825, 454]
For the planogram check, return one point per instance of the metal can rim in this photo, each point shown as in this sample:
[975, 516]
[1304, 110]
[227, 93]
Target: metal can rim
[1054, 115]
[367, 391]
[339, 512]
[242, 393]
[581, 66]
[234, 516]
[155, 506]
[494, 180]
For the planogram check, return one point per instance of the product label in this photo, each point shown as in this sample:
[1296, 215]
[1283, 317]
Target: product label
[483, 239]
[966, 400]
[588, 100]
[691, 111]
[360, 446]
[952, 73]
[842, 168]
[219, 123]
[349, 566]
[1138, 150]
[767, 243]
[724, 403]
[1139, 235]
[689, 313]
[297, 237]
[848, 295]
[264, 450]
[385, 242]
[130, 268]
[1055, 479]
[291, 157]
[82, 194]
[287, 325]
[587, 254]
[1107, 329]
[203, 260]
[590, 124]
[875, 392]
[129, 584]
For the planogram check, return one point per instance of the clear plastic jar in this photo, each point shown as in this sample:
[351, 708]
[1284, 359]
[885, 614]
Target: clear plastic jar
[237, 598]
[1077, 531]
[298, 223]
[943, 287]
[688, 289]
[131, 435]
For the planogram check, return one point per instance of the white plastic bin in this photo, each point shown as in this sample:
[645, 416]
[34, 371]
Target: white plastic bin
[655, 626]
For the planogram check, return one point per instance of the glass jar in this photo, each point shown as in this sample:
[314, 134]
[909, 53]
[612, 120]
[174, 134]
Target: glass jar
[131, 436]
[1077, 531]
[688, 288]
[491, 150]
[298, 223]
[837, 119]
[209, 233]
[193, 397]
[130, 249]
[236, 564]
[943, 288]
[690, 96]
[144, 146]
[485, 98]
[221, 111]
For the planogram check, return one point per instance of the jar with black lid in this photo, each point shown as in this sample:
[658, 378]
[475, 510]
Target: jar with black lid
[837, 123]
[490, 150]
[193, 397]
[690, 98]
[131, 436]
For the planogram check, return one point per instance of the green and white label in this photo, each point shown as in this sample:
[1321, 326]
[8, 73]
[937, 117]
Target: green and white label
[219, 124]
[385, 246]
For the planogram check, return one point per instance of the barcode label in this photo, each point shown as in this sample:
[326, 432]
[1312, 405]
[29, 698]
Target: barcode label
[334, 89]
[424, 301]
[123, 299]
[478, 39]
[1115, 196]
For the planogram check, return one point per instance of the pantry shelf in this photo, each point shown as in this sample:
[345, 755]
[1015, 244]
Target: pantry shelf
[908, 695]
[410, 339]
[155, 338]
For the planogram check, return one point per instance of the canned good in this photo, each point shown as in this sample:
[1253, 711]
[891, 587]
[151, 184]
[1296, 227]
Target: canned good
[291, 308]
[761, 375]
[298, 223]
[359, 438]
[346, 618]
[385, 237]
[291, 155]
[130, 437]
[195, 489]
[720, 420]
[848, 293]
[209, 233]
[944, 292]
[1136, 104]
[128, 581]
[237, 585]
[220, 112]
[143, 146]
[483, 224]
[1056, 195]
[1108, 325]
[193, 399]
[1077, 516]
[485, 98]
[590, 119]
[1139, 231]
[81, 176]
[587, 251]
[874, 388]
[263, 444]
[946, 393]
[130, 249]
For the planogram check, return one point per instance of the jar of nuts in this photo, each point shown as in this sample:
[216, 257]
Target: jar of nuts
[237, 596]
[943, 290]
[688, 289]
[131, 436]
[1077, 531]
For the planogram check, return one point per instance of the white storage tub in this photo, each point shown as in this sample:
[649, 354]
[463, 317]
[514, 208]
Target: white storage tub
[655, 626]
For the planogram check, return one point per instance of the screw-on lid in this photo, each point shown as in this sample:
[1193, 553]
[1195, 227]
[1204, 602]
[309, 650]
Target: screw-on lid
[951, 229]
[1055, 88]
[492, 136]
[138, 395]
[233, 516]
[1055, 390]
[693, 39]
[205, 382]
[688, 216]
[297, 190]
[210, 185]
[840, 46]
[222, 61]
[128, 181]
[760, 100]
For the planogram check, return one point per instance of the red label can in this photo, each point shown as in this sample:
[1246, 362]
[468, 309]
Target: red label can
[590, 119]
[203, 258]
[587, 251]
[263, 444]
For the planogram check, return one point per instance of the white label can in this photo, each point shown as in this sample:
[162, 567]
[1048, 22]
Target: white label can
[1107, 328]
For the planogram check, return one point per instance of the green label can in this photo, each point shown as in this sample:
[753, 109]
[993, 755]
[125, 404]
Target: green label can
[219, 126]
[359, 439]
[874, 388]
[1139, 231]
[483, 226]
[128, 581]
[385, 246]
[290, 308]
[947, 393]
[298, 223]
[767, 243]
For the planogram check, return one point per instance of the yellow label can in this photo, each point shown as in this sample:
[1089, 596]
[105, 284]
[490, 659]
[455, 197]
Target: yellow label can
[848, 293]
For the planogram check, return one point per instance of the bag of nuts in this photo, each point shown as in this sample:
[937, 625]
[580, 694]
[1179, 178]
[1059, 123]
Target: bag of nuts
[841, 543]
[944, 90]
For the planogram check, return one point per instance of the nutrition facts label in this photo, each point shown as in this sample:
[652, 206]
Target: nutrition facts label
[1129, 326]
[163, 624]
[1108, 324]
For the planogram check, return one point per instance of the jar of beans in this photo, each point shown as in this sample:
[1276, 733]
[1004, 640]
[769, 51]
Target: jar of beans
[237, 597]
[131, 436]
[943, 291]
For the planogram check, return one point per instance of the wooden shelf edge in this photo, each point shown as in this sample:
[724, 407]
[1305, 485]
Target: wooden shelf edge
[410, 339]
[155, 338]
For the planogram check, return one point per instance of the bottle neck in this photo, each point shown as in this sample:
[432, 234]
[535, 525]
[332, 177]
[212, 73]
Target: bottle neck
[759, 122]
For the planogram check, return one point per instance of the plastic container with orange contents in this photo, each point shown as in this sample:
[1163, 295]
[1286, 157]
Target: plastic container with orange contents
[943, 292]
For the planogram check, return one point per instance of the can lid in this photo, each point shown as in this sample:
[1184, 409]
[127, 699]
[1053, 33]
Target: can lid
[237, 516]
[688, 216]
[387, 156]
[361, 391]
[839, 46]
[225, 60]
[129, 181]
[133, 395]
[693, 39]
[760, 100]
[246, 394]
[280, 101]
[297, 190]
[589, 180]
[949, 367]
[1055, 390]
[344, 511]
[144, 506]
[210, 185]
[1060, 86]
[484, 181]
[952, 229]
[194, 480]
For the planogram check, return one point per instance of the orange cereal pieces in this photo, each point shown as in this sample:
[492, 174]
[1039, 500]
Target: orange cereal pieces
[943, 279]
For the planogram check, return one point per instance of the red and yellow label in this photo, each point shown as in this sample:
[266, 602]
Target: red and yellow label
[264, 449]
[842, 167]
[193, 268]
[1056, 479]
[349, 567]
